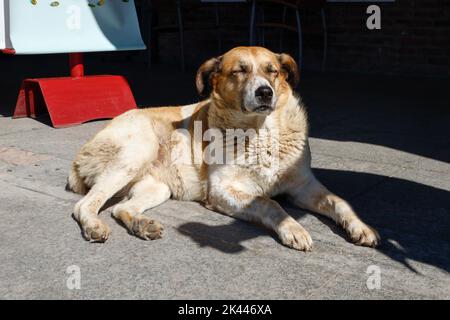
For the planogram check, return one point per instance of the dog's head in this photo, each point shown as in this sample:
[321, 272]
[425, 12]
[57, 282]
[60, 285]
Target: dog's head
[249, 79]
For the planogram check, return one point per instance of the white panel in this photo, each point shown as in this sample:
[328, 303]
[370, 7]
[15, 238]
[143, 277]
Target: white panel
[73, 26]
[2, 25]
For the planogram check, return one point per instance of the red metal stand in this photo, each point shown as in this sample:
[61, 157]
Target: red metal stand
[75, 99]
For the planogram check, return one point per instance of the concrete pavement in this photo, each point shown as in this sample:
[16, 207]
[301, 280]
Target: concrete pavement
[383, 143]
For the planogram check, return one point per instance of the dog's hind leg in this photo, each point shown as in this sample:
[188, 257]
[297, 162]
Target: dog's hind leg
[145, 194]
[111, 162]
[86, 210]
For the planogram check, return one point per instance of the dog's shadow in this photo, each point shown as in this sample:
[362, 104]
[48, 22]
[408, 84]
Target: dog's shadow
[412, 218]
[226, 238]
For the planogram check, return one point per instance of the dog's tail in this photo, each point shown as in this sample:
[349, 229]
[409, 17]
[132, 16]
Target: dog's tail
[75, 183]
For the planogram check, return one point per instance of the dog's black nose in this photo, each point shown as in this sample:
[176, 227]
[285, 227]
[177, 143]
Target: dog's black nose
[264, 93]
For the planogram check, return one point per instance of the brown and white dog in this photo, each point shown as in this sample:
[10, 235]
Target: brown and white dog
[136, 156]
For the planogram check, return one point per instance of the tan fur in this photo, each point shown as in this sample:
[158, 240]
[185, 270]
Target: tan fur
[136, 156]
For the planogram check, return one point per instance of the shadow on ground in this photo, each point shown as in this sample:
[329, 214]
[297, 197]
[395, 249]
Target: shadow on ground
[403, 212]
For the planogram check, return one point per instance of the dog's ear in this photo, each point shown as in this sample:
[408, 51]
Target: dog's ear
[289, 66]
[205, 73]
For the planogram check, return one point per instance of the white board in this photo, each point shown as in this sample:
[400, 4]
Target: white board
[4, 25]
[70, 26]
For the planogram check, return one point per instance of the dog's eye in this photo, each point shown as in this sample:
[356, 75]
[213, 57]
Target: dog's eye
[241, 70]
[272, 71]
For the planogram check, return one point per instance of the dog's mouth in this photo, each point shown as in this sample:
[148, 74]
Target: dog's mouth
[263, 109]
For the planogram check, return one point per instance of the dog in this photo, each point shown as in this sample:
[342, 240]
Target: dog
[137, 156]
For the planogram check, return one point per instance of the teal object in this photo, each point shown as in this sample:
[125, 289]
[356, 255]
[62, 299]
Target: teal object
[65, 26]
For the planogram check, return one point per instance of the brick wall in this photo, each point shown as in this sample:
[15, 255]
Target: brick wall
[414, 37]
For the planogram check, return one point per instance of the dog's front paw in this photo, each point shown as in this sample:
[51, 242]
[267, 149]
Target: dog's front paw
[293, 235]
[96, 231]
[362, 235]
[146, 228]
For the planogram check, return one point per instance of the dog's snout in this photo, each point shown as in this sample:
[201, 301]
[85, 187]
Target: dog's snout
[259, 96]
[264, 93]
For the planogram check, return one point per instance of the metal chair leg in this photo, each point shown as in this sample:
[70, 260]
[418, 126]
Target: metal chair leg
[219, 37]
[181, 33]
[263, 31]
[300, 40]
[149, 27]
[283, 21]
[252, 22]
[143, 27]
[325, 39]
